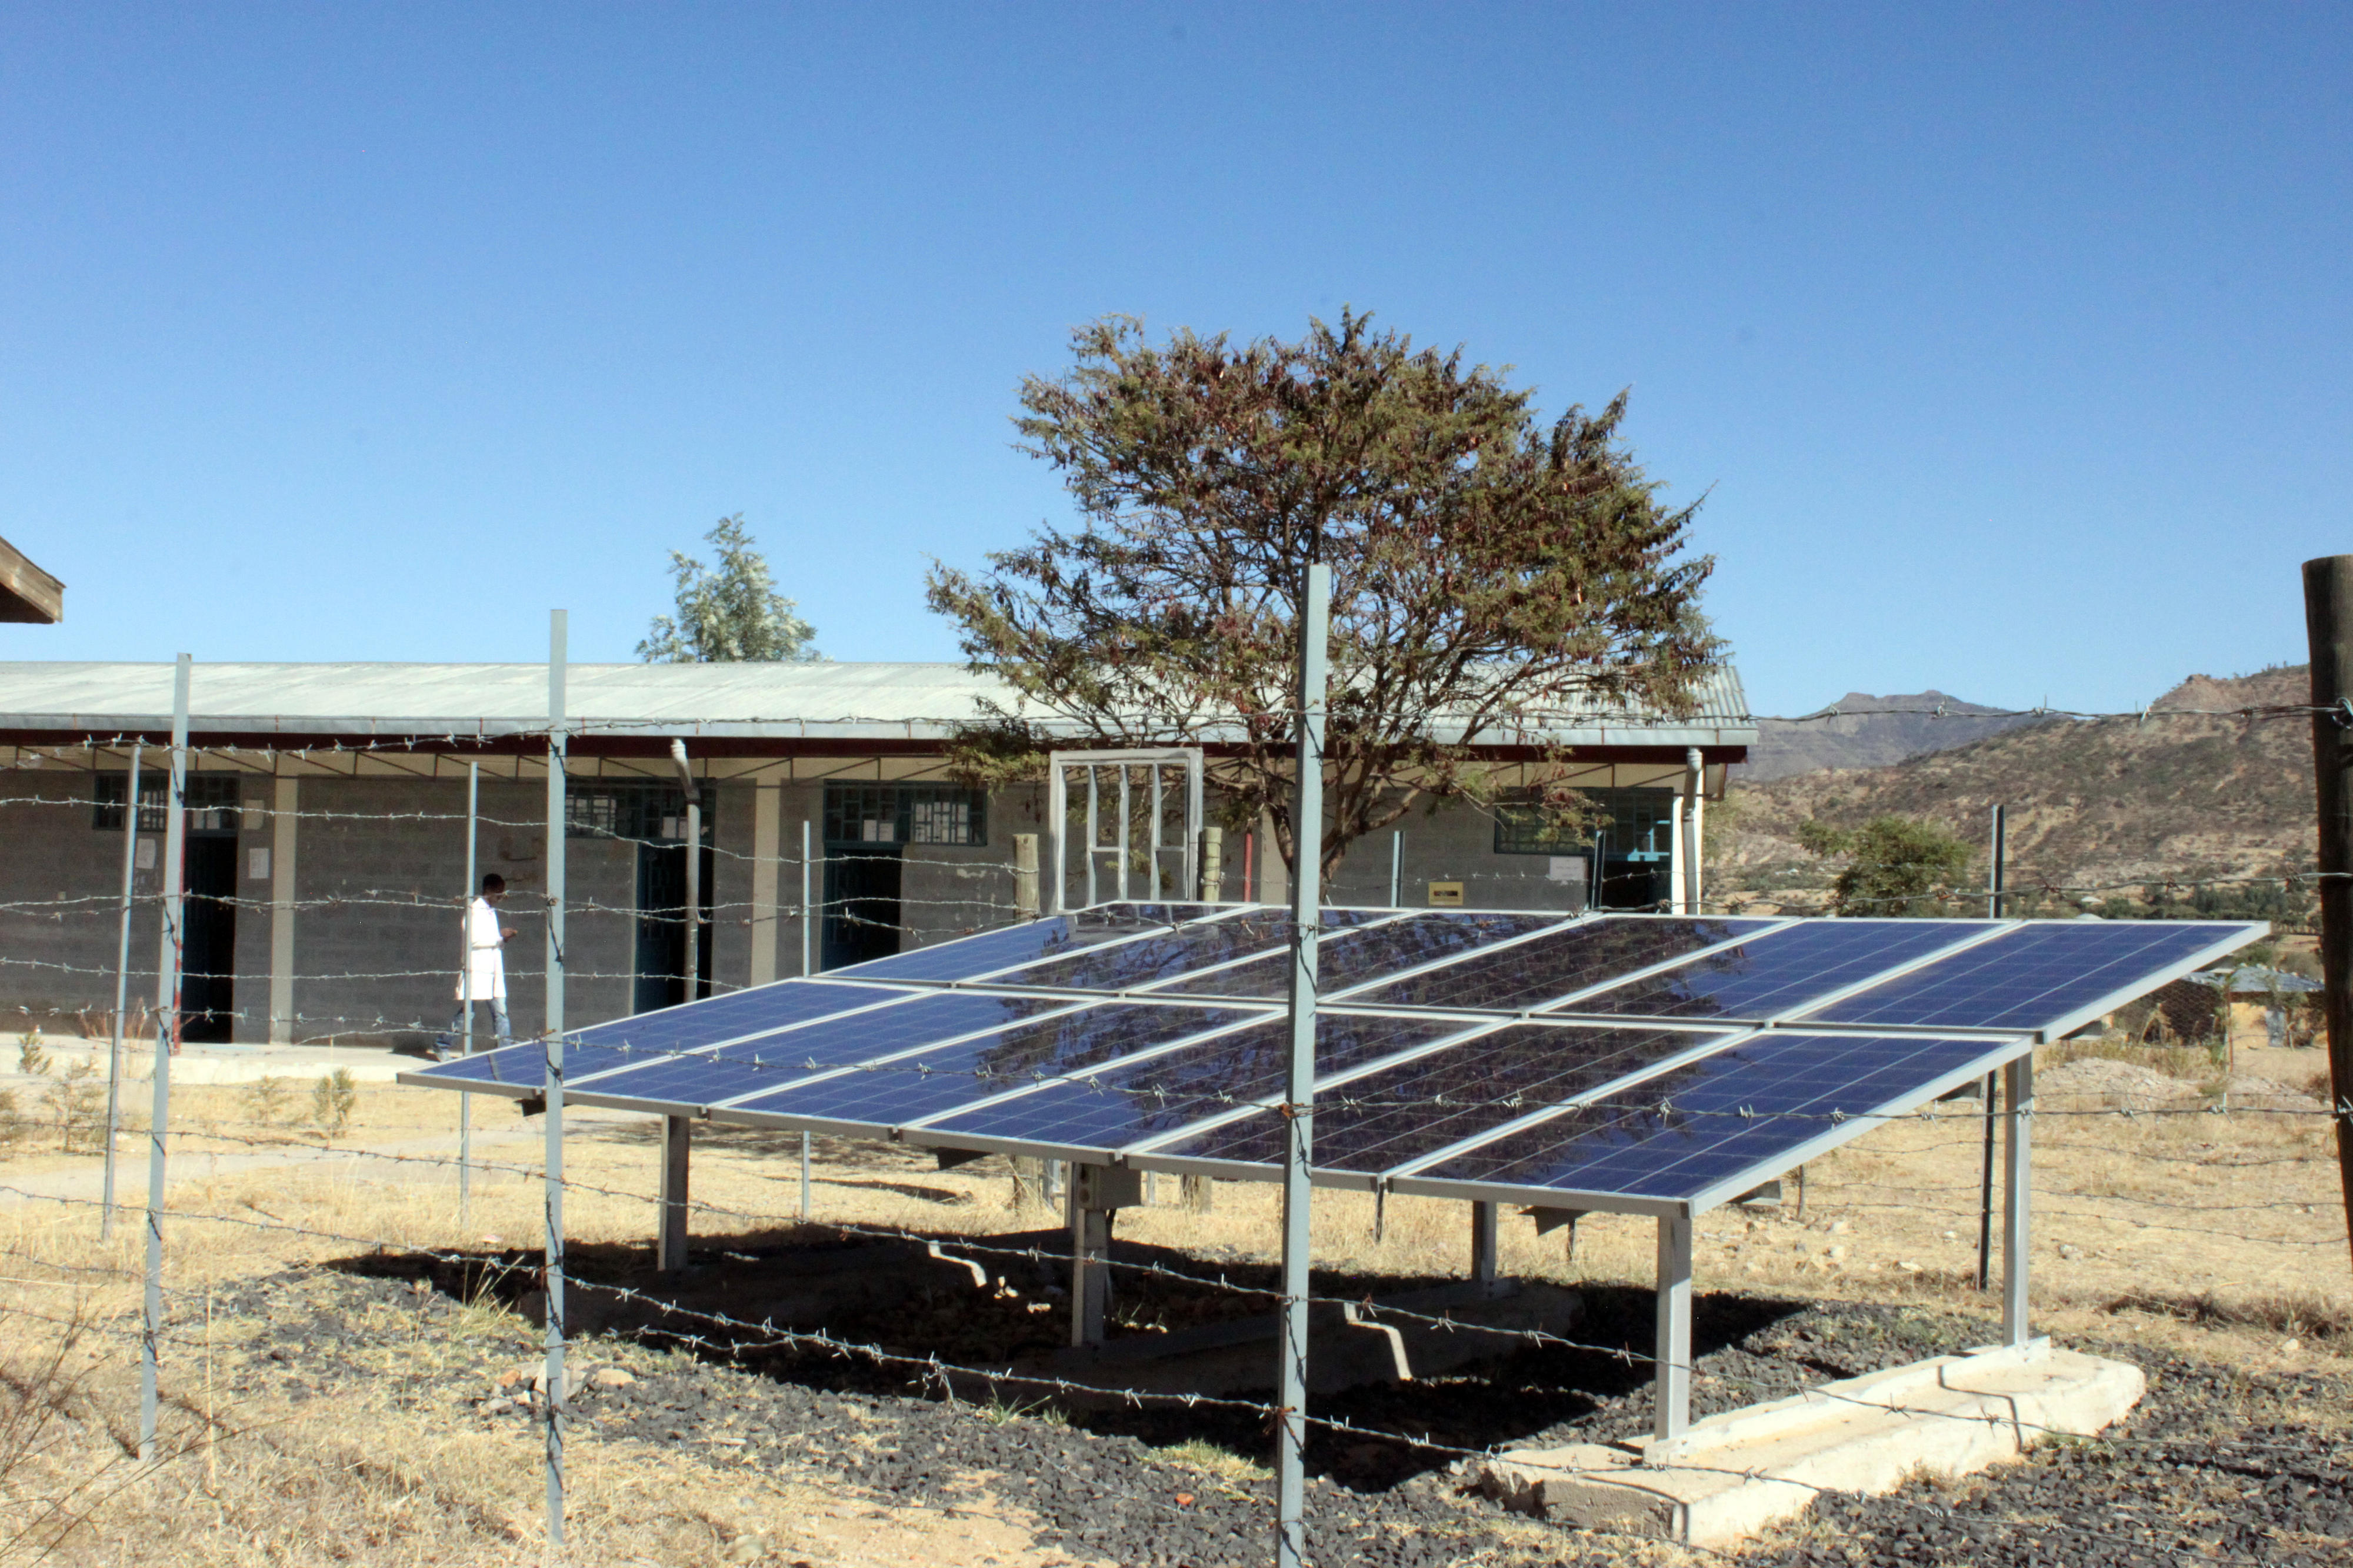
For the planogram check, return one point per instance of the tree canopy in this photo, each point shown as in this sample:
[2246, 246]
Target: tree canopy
[1896, 865]
[728, 612]
[1487, 569]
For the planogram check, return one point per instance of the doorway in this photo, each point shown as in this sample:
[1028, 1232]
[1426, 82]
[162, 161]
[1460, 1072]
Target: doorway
[661, 926]
[861, 902]
[208, 951]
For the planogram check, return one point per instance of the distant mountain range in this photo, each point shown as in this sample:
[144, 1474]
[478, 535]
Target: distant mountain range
[2090, 801]
[1870, 732]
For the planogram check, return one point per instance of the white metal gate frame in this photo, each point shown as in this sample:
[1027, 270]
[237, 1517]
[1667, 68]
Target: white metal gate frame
[1058, 807]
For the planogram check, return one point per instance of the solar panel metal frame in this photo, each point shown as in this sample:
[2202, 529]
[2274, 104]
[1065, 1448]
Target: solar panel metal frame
[2002, 1046]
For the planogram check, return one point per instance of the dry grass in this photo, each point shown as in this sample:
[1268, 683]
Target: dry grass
[2218, 1232]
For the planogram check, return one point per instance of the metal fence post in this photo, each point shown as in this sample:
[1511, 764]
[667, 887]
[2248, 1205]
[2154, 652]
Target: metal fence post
[167, 1038]
[1307, 836]
[553, 1258]
[1396, 868]
[122, 991]
[466, 996]
[1985, 1177]
[2328, 630]
[809, 912]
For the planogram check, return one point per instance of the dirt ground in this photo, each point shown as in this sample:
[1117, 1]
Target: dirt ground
[339, 1333]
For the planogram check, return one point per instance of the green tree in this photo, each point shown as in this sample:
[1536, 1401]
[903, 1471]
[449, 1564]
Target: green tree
[1896, 865]
[728, 613]
[1488, 571]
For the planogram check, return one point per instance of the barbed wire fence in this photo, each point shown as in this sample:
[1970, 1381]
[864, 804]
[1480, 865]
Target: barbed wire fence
[727, 1337]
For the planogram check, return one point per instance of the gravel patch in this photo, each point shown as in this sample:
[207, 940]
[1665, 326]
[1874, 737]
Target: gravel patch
[2218, 1465]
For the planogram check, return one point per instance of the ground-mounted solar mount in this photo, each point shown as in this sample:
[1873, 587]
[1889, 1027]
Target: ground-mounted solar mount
[1650, 1065]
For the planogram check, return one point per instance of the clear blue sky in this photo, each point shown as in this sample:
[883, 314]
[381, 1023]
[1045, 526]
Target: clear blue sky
[2009, 342]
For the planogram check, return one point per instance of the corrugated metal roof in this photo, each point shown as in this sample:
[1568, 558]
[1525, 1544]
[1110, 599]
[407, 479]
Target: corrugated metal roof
[868, 701]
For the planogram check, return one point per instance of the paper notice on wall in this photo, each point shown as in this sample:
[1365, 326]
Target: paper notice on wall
[146, 857]
[1565, 868]
[257, 864]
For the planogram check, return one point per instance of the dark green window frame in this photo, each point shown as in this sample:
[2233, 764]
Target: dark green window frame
[215, 801]
[950, 814]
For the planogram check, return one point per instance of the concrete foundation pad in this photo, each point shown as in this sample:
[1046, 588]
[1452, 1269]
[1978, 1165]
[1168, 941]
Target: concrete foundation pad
[1730, 1475]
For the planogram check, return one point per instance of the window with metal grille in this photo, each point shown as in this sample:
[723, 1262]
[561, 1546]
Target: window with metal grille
[648, 812]
[215, 803]
[1637, 823]
[905, 814]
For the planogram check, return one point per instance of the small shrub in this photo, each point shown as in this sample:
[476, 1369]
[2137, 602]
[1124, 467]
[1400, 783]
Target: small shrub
[332, 1100]
[77, 1103]
[265, 1100]
[13, 1126]
[31, 1059]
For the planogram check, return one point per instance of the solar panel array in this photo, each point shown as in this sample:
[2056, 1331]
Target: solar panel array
[1638, 1063]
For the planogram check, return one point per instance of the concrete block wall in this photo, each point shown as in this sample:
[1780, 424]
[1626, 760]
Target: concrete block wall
[61, 892]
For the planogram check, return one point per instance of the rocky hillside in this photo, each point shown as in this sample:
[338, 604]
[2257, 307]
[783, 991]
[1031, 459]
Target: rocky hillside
[1870, 732]
[2111, 800]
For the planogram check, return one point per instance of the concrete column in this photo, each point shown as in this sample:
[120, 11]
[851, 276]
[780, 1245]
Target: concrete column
[1673, 1348]
[1213, 865]
[2018, 1192]
[1484, 1217]
[677, 1141]
[1025, 873]
[767, 843]
[283, 823]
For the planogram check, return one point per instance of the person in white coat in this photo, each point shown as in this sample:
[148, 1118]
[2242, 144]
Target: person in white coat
[486, 967]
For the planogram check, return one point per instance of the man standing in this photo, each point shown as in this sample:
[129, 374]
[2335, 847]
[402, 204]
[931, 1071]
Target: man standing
[486, 968]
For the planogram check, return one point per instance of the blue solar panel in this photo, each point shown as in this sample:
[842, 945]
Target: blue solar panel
[1360, 957]
[1729, 1117]
[898, 1092]
[1549, 966]
[769, 1060]
[1166, 954]
[1777, 973]
[1406, 1113]
[1128, 1105]
[966, 957]
[2036, 977]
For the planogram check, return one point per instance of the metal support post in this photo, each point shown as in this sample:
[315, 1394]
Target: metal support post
[677, 1146]
[122, 992]
[1299, 1095]
[1094, 837]
[1483, 1241]
[465, 994]
[1994, 875]
[1672, 1350]
[1678, 886]
[1696, 767]
[1125, 846]
[694, 792]
[554, 1256]
[2328, 627]
[808, 909]
[1396, 868]
[2017, 1182]
[1089, 1273]
[804, 1175]
[1159, 812]
[167, 1039]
